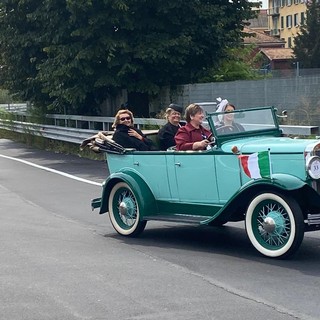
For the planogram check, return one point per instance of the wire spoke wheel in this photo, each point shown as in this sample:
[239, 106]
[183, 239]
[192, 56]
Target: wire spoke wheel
[124, 211]
[274, 225]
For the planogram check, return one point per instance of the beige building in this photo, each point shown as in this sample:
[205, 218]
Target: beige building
[285, 18]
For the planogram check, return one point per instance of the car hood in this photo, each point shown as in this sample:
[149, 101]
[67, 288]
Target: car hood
[274, 144]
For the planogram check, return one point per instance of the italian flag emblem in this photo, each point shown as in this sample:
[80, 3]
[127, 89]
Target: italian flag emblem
[256, 165]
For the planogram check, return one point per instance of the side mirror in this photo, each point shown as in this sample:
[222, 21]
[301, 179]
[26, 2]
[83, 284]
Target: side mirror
[284, 114]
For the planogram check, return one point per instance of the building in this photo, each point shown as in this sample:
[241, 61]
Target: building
[261, 39]
[285, 18]
[275, 55]
[278, 58]
[260, 22]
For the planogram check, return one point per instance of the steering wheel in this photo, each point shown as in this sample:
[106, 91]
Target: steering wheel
[225, 129]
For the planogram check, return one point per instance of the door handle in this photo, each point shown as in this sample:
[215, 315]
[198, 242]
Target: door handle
[178, 164]
[136, 163]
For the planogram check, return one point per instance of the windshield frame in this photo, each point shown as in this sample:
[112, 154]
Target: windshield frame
[274, 130]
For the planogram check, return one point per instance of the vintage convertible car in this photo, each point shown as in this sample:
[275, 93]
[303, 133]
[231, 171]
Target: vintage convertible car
[221, 184]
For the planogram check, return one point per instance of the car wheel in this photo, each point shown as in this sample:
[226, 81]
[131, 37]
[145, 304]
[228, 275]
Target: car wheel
[274, 225]
[124, 211]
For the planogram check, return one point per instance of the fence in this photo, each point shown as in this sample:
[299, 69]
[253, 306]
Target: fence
[77, 135]
[14, 107]
[99, 123]
[295, 90]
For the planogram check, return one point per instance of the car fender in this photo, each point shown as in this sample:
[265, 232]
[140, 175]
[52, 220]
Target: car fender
[279, 181]
[141, 190]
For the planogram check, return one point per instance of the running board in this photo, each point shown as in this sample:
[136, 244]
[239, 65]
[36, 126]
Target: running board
[313, 219]
[183, 218]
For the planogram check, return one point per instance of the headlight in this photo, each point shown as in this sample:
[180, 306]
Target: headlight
[313, 167]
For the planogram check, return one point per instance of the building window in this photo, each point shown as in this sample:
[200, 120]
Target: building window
[289, 21]
[282, 22]
[289, 42]
[283, 3]
[289, 2]
[302, 18]
[296, 19]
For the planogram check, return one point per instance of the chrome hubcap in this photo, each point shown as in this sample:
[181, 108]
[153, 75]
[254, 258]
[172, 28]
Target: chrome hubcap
[269, 225]
[123, 208]
[273, 223]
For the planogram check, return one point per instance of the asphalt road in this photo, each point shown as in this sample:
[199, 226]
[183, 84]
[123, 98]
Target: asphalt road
[58, 260]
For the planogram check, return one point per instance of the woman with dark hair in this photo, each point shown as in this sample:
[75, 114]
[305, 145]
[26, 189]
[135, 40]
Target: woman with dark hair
[227, 123]
[126, 135]
[193, 136]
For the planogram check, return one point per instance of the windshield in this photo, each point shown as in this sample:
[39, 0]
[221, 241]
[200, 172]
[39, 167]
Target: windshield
[247, 120]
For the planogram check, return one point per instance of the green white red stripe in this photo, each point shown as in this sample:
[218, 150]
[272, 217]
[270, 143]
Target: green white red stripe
[256, 165]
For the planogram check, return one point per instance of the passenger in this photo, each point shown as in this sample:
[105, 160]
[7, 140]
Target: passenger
[128, 136]
[168, 131]
[228, 125]
[193, 136]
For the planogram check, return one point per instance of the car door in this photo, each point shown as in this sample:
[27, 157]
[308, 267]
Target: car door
[195, 175]
[152, 167]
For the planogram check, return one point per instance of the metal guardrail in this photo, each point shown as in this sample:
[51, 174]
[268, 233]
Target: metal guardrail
[104, 123]
[300, 130]
[77, 135]
[14, 107]
[72, 135]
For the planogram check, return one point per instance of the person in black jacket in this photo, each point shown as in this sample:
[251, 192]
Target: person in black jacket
[126, 135]
[167, 132]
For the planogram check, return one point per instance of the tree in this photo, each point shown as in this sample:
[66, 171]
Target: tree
[241, 63]
[307, 42]
[20, 49]
[75, 53]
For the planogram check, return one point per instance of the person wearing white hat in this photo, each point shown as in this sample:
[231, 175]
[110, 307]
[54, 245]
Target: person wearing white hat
[226, 122]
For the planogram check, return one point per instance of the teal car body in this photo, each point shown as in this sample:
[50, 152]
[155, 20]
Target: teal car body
[210, 187]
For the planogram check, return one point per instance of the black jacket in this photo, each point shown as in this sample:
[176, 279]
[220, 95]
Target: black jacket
[166, 136]
[122, 137]
[235, 127]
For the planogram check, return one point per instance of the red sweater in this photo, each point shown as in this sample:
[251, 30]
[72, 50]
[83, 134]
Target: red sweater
[188, 134]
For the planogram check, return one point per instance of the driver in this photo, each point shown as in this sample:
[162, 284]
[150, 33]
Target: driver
[227, 123]
[193, 136]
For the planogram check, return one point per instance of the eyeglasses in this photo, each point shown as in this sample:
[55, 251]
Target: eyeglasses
[125, 118]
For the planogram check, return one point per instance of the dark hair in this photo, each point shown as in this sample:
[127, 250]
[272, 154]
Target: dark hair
[230, 105]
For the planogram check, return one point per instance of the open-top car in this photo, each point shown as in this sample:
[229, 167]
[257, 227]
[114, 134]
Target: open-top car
[226, 182]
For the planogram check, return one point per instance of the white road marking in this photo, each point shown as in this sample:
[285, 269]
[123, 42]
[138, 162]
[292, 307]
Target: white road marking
[53, 171]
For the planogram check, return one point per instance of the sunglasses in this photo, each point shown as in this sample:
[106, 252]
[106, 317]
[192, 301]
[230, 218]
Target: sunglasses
[125, 118]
